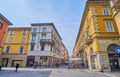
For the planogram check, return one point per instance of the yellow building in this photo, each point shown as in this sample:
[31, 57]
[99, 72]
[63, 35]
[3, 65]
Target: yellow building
[98, 37]
[115, 4]
[16, 46]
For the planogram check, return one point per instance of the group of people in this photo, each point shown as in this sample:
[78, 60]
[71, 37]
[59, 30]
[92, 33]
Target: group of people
[71, 65]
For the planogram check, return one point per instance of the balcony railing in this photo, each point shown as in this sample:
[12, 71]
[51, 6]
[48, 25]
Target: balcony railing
[88, 40]
[43, 33]
[48, 41]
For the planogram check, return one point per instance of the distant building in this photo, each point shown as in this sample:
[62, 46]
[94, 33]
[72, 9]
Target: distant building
[4, 23]
[16, 46]
[98, 37]
[65, 53]
[115, 5]
[45, 45]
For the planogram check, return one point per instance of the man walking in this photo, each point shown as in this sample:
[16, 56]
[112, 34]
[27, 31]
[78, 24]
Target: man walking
[17, 66]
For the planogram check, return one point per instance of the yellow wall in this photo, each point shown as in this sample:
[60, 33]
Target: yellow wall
[94, 21]
[117, 18]
[16, 40]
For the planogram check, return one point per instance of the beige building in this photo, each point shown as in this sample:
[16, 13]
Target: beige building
[45, 45]
[65, 53]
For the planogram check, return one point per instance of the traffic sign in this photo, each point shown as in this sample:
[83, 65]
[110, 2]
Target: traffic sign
[117, 49]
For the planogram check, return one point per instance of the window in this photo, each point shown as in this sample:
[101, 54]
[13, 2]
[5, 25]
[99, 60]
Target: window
[8, 49]
[10, 40]
[33, 37]
[23, 40]
[21, 50]
[1, 25]
[109, 26]
[34, 29]
[42, 47]
[32, 47]
[44, 37]
[24, 32]
[106, 11]
[44, 29]
[11, 32]
[87, 33]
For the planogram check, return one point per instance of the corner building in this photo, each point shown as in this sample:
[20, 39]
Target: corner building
[98, 37]
[45, 45]
[4, 23]
[16, 46]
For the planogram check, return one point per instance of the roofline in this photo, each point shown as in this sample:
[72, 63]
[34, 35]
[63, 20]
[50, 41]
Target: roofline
[19, 27]
[5, 19]
[36, 24]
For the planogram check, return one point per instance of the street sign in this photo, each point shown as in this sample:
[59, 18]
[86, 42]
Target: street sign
[117, 49]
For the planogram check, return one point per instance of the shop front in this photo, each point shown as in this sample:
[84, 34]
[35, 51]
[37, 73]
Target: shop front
[114, 57]
[30, 61]
[14, 62]
[5, 62]
[114, 60]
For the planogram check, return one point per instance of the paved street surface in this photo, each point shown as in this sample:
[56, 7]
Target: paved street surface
[27, 72]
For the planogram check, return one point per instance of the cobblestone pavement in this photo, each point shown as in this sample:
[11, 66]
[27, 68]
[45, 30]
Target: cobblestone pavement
[29, 72]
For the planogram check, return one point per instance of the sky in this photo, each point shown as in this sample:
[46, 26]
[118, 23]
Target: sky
[65, 14]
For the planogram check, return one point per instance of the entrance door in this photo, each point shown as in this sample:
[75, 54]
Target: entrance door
[4, 62]
[114, 64]
[14, 62]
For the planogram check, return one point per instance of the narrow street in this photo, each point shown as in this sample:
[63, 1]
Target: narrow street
[27, 72]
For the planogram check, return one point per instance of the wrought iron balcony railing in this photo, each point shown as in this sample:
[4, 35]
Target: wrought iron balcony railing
[48, 41]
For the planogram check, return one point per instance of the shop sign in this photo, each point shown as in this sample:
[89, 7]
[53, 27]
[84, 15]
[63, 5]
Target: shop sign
[117, 49]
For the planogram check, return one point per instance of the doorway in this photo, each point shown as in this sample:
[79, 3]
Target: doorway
[114, 64]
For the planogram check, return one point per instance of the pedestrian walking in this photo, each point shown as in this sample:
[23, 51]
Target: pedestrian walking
[17, 66]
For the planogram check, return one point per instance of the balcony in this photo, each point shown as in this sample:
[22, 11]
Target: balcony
[43, 33]
[88, 40]
[46, 41]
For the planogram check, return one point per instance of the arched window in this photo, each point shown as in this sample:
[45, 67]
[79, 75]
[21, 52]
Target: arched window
[111, 47]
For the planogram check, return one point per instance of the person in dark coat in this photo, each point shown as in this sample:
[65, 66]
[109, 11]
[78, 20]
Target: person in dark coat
[17, 66]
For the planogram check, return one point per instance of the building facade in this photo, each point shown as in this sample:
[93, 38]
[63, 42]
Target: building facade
[45, 45]
[98, 37]
[115, 5]
[4, 23]
[16, 46]
[65, 54]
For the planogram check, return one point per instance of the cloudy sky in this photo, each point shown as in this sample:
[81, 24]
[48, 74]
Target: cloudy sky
[65, 14]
